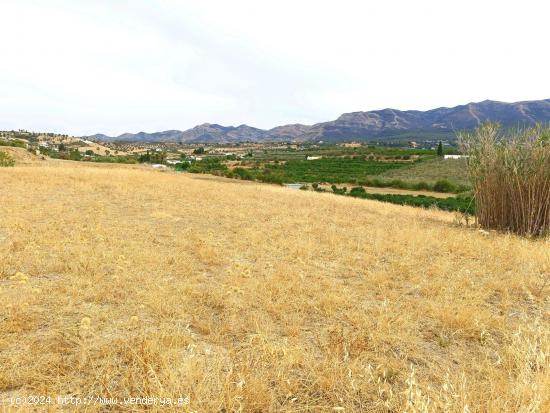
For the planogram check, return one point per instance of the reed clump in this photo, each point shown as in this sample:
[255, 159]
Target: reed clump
[510, 173]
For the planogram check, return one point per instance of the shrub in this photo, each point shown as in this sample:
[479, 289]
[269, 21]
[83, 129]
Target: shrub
[340, 191]
[422, 186]
[182, 166]
[462, 188]
[377, 183]
[357, 191]
[510, 172]
[243, 173]
[396, 183]
[74, 155]
[464, 204]
[15, 143]
[444, 186]
[6, 159]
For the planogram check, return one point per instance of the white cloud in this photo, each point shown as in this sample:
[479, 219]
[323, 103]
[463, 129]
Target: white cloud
[103, 66]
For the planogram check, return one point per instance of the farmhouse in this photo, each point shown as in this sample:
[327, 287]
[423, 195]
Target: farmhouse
[351, 145]
[455, 156]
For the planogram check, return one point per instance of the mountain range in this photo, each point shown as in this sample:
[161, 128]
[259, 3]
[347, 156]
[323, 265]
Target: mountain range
[371, 125]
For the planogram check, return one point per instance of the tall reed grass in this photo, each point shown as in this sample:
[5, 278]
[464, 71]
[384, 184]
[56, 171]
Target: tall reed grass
[510, 173]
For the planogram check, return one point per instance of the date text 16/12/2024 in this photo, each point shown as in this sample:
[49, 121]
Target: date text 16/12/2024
[77, 401]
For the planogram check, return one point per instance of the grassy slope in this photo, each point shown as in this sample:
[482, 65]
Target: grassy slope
[431, 171]
[261, 298]
[20, 155]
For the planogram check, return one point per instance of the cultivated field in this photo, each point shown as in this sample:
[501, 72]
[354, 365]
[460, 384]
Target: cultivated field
[453, 170]
[125, 282]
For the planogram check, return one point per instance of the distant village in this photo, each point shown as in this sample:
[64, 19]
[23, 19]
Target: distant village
[171, 153]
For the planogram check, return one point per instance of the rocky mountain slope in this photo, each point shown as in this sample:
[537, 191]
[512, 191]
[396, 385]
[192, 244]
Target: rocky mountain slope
[375, 124]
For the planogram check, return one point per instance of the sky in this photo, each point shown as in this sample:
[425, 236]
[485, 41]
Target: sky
[85, 67]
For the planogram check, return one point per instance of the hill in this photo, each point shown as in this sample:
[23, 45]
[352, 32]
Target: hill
[377, 124]
[21, 155]
[120, 282]
[443, 121]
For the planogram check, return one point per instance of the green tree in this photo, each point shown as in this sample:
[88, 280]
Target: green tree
[74, 155]
[145, 157]
[440, 149]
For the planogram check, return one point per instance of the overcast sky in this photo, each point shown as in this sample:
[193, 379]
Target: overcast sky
[82, 67]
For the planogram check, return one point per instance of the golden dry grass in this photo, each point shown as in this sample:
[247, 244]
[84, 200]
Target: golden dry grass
[20, 155]
[122, 282]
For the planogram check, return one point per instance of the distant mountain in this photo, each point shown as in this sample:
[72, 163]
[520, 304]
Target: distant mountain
[288, 132]
[377, 124]
[444, 121]
[213, 133]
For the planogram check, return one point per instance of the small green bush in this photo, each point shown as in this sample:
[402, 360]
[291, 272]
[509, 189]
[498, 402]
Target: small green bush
[357, 191]
[15, 143]
[243, 173]
[182, 166]
[6, 159]
[422, 186]
[444, 186]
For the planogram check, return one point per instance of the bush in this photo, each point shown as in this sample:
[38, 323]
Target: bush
[243, 173]
[462, 188]
[443, 186]
[357, 191]
[463, 204]
[182, 166]
[74, 155]
[397, 183]
[510, 172]
[341, 191]
[6, 160]
[421, 186]
[15, 143]
[208, 166]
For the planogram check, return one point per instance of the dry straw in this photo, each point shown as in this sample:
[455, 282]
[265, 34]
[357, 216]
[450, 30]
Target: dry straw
[510, 171]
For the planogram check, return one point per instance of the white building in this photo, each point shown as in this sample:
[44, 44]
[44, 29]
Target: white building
[455, 156]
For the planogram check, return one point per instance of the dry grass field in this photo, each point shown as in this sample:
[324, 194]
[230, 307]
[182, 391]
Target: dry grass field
[126, 282]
